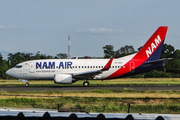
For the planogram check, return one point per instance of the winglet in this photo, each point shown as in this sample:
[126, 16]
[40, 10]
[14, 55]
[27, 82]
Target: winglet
[108, 65]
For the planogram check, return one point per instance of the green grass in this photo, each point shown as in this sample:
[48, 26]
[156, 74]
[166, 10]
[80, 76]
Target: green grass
[97, 104]
[103, 93]
[107, 105]
[114, 82]
[90, 91]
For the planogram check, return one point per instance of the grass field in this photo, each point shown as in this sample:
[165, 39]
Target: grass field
[114, 82]
[110, 101]
[92, 93]
[105, 105]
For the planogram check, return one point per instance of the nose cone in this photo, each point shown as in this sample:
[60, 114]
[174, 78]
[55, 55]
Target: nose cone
[9, 72]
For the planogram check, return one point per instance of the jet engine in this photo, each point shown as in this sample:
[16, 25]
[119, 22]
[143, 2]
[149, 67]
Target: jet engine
[63, 79]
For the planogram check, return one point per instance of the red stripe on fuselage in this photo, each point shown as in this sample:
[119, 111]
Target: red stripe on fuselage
[146, 51]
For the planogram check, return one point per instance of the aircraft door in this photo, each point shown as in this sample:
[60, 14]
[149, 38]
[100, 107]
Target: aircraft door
[31, 68]
[132, 67]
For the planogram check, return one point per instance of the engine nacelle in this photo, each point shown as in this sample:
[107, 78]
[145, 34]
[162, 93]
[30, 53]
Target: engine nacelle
[63, 79]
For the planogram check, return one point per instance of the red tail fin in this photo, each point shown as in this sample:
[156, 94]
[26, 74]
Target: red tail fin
[151, 51]
[154, 44]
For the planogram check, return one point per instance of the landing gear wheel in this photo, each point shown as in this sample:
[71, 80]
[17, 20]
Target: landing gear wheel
[86, 84]
[27, 84]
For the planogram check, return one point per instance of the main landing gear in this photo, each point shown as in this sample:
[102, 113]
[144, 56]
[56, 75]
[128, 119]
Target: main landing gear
[85, 83]
[27, 84]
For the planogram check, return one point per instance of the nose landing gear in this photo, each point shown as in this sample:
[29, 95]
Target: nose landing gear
[26, 81]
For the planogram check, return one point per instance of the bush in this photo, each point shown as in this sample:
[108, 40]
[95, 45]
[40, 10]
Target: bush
[157, 74]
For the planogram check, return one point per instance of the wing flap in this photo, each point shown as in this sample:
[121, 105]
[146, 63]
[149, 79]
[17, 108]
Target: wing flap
[86, 75]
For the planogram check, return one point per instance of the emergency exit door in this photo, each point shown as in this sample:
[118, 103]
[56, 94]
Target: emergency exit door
[32, 68]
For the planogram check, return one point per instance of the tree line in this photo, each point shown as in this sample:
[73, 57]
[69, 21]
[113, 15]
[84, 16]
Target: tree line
[171, 68]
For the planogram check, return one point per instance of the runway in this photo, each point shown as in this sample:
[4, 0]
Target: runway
[69, 88]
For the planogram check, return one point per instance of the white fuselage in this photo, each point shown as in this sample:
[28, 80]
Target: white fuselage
[47, 68]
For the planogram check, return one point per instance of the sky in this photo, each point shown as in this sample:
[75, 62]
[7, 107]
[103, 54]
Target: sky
[44, 25]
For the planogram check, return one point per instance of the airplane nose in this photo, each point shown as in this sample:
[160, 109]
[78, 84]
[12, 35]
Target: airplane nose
[9, 72]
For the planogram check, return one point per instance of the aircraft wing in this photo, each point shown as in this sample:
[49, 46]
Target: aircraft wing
[91, 74]
[158, 61]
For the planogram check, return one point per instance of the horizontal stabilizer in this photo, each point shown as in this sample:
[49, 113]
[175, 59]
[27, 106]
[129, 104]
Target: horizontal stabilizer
[158, 61]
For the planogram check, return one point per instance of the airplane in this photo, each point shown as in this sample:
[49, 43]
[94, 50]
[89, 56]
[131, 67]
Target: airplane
[68, 71]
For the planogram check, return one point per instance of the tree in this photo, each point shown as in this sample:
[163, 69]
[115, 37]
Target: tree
[3, 67]
[117, 54]
[167, 51]
[61, 56]
[27, 56]
[1, 59]
[15, 58]
[108, 51]
[41, 56]
[123, 51]
[176, 54]
[128, 49]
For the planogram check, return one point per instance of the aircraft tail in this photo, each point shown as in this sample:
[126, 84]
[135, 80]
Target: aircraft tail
[150, 54]
[153, 47]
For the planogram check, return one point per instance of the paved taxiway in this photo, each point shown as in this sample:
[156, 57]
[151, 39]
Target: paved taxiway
[68, 88]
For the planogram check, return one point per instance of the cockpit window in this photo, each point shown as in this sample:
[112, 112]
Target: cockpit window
[18, 66]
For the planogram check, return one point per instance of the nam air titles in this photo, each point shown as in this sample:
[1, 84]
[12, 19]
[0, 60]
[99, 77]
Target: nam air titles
[154, 45]
[51, 65]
